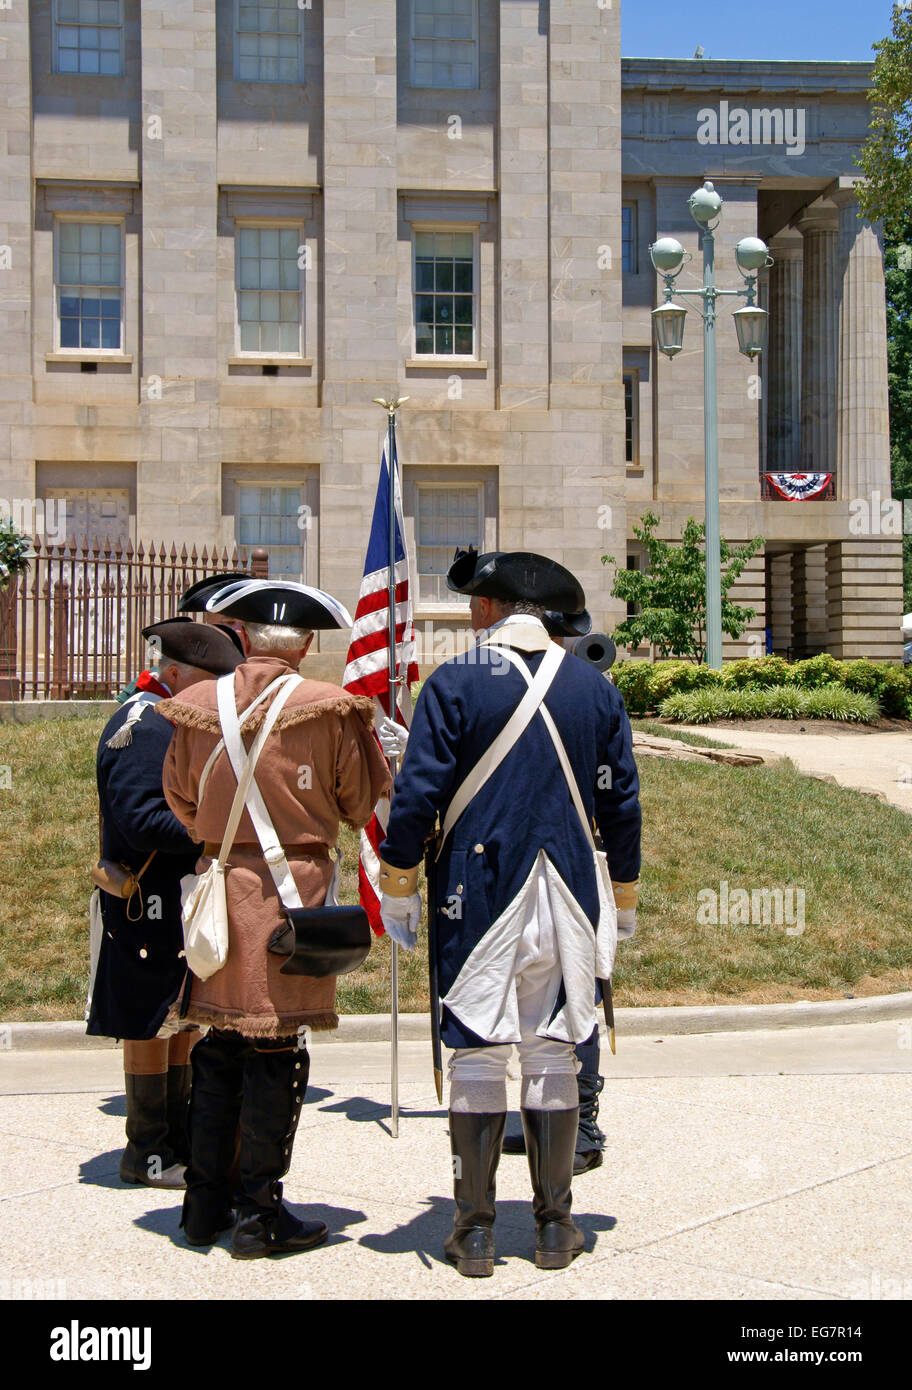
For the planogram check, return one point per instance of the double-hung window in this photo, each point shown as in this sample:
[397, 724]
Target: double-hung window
[631, 418]
[270, 516]
[268, 289]
[88, 37]
[445, 293]
[89, 285]
[268, 41]
[446, 516]
[444, 43]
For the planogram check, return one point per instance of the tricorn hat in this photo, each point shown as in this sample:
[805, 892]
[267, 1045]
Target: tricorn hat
[568, 624]
[207, 646]
[279, 601]
[193, 600]
[516, 575]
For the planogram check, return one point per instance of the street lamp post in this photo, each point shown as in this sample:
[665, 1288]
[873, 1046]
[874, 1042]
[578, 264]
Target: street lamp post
[668, 258]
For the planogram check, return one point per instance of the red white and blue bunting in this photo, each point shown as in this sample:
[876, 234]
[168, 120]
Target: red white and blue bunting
[798, 487]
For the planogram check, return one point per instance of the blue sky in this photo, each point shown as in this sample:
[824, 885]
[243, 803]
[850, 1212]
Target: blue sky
[795, 29]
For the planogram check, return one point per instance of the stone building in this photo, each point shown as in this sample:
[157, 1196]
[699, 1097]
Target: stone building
[237, 222]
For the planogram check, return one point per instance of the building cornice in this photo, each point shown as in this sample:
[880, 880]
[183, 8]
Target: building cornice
[674, 74]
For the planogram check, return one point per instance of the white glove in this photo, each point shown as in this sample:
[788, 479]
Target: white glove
[400, 918]
[627, 920]
[393, 738]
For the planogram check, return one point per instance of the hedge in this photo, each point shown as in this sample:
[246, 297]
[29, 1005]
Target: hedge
[793, 701]
[646, 685]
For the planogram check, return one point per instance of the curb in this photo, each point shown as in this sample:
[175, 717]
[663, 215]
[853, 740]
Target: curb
[631, 1023]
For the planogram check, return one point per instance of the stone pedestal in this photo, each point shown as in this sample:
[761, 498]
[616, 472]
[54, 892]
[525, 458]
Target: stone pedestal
[864, 599]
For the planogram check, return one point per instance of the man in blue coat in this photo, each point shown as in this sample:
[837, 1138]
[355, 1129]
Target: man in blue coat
[141, 968]
[516, 747]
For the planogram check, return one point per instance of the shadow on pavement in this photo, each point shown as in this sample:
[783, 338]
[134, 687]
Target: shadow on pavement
[164, 1222]
[360, 1109]
[514, 1231]
[99, 1170]
[114, 1105]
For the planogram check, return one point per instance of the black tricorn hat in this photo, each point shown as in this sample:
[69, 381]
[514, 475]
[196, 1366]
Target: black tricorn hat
[279, 601]
[516, 575]
[207, 646]
[568, 624]
[193, 600]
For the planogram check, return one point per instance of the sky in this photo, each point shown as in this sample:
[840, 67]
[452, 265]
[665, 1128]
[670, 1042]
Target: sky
[835, 30]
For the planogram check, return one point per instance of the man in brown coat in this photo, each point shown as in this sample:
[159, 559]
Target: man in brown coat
[321, 764]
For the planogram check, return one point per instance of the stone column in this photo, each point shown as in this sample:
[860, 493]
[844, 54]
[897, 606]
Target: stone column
[779, 602]
[863, 404]
[179, 410]
[783, 391]
[748, 591]
[820, 324]
[809, 602]
[523, 203]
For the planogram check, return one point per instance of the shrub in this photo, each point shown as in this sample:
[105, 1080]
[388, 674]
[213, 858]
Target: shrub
[817, 670]
[888, 684]
[758, 671]
[670, 677]
[831, 701]
[633, 679]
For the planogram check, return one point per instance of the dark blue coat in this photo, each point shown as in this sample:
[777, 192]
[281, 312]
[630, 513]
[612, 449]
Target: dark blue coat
[141, 968]
[525, 806]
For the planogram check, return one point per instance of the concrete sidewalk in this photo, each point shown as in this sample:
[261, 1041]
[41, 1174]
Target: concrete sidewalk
[771, 1165]
[868, 761]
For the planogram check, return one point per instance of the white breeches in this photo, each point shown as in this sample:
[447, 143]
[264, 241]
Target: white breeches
[538, 974]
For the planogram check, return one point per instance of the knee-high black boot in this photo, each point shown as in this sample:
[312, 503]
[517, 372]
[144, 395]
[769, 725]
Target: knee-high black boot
[550, 1141]
[148, 1158]
[179, 1111]
[217, 1061]
[475, 1141]
[275, 1079]
[590, 1141]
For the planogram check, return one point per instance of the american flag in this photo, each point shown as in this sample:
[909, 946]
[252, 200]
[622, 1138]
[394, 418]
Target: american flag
[367, 668]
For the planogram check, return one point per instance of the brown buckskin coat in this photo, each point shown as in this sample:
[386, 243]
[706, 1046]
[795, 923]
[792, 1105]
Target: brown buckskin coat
[322, 728]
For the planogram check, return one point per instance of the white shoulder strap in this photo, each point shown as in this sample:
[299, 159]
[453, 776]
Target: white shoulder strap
[564, 760]
[515, 726]
[225, 692]
[273, 853]
[242, 720]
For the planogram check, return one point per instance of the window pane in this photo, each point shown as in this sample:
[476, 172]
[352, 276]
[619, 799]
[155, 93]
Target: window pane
[443, 340]
[110, 333]
[424, 338]
[424, 275]
[464, 341]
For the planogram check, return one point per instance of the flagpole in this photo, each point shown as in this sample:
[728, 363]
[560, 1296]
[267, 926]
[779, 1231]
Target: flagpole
[391, 408]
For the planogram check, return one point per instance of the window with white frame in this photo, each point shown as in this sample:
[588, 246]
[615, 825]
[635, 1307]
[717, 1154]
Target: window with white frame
[629, 238]
[88, 36]
[447, 516]
[89, 285]
[631, 418]
[445, 297]
[444, 43]
[268, 281]
[270, 516]
[267, 41]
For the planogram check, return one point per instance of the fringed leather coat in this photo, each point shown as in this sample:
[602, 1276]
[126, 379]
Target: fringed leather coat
[321, 764]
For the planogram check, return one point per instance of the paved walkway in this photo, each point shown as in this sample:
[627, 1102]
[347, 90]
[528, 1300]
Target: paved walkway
[771, 1165]
[873, 761]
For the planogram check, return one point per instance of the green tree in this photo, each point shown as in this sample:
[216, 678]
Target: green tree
[671, 592]
[898, 275]
[886, 157]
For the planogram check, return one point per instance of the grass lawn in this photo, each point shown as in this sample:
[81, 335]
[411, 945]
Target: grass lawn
[756, 828]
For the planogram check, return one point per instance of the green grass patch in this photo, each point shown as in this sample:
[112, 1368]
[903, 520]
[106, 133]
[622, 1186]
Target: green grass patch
[754, 828]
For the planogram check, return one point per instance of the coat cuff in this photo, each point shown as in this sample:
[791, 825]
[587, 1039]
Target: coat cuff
[398, 883]
[626, 894]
